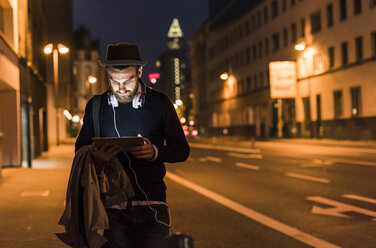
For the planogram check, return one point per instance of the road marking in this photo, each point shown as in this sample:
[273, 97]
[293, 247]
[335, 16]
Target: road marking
[27, 193]
[353, 162]
[243, 155]
[248, 166]
[210, 158]
[360, 198]
[224, 148]
[253, 215]
[310, 178]
[338, 208]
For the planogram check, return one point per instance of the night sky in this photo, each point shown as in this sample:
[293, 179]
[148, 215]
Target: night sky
[142, 22]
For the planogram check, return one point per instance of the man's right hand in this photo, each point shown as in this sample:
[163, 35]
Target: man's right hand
[103, 155]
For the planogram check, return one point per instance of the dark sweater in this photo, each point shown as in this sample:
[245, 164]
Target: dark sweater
[156, 120]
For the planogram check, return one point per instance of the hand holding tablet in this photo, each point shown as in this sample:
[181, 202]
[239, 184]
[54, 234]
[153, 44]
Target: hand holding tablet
[126, 143]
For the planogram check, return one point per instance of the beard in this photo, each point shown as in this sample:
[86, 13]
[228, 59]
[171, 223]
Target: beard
[128, 95]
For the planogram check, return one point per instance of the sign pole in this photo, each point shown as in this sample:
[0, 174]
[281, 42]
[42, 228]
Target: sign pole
[280, 121]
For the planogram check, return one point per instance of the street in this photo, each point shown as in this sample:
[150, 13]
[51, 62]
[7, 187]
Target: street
[280, 194]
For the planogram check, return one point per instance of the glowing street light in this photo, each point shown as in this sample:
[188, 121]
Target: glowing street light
[62, 49]
[224, 76]
[179, 102]
[92, 79]
[301, 46]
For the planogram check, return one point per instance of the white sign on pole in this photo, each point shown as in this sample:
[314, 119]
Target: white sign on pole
[282, 79]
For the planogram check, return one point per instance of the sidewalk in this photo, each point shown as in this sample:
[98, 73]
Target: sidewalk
[31, 200]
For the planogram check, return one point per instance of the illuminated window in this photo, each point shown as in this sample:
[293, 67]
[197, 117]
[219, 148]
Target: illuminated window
[316, 22]
[337, 103]
[356, 101]
[373, 42]
[274, 7]
[359, 48]
[329, 15]
[342, 10]
[294, 36]
[344, 53]
[331, 56]
[357, 7]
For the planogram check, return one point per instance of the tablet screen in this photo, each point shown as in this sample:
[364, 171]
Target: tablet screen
[127, 143]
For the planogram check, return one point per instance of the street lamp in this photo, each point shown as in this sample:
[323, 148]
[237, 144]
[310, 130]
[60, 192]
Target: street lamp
[224, 76]
[55, 50]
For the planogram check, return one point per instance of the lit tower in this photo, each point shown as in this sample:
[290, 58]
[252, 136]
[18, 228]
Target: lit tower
[172, 64]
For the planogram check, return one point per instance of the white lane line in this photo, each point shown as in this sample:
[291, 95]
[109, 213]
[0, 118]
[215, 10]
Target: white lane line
[224, 148]
[43, 193]
[243, 155]
[310, 178]
[254, 215]
[317, 163]
[353, 162]
[247, 166]
[360, 198]
[210, 158]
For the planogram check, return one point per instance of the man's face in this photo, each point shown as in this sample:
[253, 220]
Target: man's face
[124, 83]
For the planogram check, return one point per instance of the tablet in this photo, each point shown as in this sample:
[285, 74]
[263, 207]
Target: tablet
[127, 143]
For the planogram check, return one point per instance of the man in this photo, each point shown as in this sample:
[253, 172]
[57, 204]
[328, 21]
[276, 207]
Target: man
[131, 109]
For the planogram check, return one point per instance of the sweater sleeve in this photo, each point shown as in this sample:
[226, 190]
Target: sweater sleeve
[87, 129]
[176, 148]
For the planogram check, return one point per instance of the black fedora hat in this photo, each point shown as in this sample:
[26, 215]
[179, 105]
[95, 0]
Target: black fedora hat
[122, 54]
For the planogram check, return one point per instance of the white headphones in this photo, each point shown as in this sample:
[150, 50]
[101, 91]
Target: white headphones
[137, 102]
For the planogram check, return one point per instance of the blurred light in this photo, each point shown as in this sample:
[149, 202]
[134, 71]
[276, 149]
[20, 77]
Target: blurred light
[153, 80]
[186, 132]
[191, 95]
[354, 111]
[76, 118]
[67, 114]
[194, 132]
[154, 76]
[183, 120]
[179, 102]
[158, 64]
[300, 47]
[62, 49]
[185, 127]
[225, 131]
[191, 122]
[224, 76]
[48, 49]
[92, 79]
[175, 106]
[82, 121]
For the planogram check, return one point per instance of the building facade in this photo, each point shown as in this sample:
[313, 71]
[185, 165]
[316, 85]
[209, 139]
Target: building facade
[334, 76]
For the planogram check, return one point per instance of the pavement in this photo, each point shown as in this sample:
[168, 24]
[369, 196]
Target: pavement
[32, 200]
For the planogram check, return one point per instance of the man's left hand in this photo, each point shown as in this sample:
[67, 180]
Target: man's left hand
[145, 151]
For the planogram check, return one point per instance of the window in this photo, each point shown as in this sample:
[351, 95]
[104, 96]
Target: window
[266, 47]
[253, 23]
[240, 30]
[342, 10]
[359, 48]
[318, 63]
[275, 40]
[329, 15]
[246, 27]
[294, 36]
[357, 7]
[356, 101]
[247, 56]
[302, 26]
[316, 22]
[338, 103]
[274, 6]
[261, 79]
[249, 84]
[260, 49]
[331, 56]
[255, 81]
[285, 37]
[265, 14]
[292, 2]
[254, 53]
[284, 5]
[267, 78]
[87, 55]
[344, 53]
[373, 42]
[372, 3]
[259, 19]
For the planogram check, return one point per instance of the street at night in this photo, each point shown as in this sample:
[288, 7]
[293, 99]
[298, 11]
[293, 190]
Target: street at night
[290, 193]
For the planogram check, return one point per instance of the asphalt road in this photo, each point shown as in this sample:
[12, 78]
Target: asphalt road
[282, 195]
